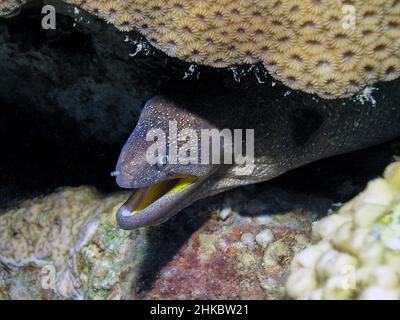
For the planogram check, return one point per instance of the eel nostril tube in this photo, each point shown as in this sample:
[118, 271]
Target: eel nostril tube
[115, 173]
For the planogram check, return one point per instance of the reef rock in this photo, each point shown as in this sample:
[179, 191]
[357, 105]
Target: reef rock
[66, 246]
[234, 259]
[67, 73]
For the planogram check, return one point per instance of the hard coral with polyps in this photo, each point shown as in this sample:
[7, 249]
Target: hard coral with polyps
[357, 254]
[333, 48]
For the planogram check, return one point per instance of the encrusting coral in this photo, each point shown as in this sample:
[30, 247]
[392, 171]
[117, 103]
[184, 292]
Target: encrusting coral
[333, 48]
[357, 254]
[8, 7]
[70, 235]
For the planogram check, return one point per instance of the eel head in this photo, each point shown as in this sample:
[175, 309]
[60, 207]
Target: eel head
[152, 163]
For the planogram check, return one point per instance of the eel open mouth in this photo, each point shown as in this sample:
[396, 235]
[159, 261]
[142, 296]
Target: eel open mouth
[144, 197]
[154, 204]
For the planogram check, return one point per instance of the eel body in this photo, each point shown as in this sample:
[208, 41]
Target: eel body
[288, 132]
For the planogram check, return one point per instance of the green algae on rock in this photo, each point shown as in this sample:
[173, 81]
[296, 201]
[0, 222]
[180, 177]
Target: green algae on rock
[356, 254]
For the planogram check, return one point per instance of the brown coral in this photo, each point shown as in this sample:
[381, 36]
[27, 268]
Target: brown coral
[292, 38]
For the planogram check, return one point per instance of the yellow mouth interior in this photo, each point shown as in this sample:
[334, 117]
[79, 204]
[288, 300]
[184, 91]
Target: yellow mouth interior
[143, 198]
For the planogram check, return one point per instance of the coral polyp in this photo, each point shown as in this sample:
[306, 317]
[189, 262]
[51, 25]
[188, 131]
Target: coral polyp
[344, 35]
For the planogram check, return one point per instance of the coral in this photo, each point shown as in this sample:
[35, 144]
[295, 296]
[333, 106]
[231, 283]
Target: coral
[243, 251]
[356, 254]
[65, 245]
[9, 7]
[332, 48]
[71, 234]
[41, 226]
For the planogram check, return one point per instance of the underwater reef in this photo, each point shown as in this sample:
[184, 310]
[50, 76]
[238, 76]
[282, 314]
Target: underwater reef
[67, 246]
[71, 96]
[72, 233]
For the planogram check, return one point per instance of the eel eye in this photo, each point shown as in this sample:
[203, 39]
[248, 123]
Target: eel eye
[162, 161]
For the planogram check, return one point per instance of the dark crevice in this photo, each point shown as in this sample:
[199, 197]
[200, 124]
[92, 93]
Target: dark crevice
[305, 123]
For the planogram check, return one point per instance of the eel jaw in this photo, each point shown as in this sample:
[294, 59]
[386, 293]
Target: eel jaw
[154, 204]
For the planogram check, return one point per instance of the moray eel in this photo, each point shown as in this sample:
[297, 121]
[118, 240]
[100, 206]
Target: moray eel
[300, 130]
